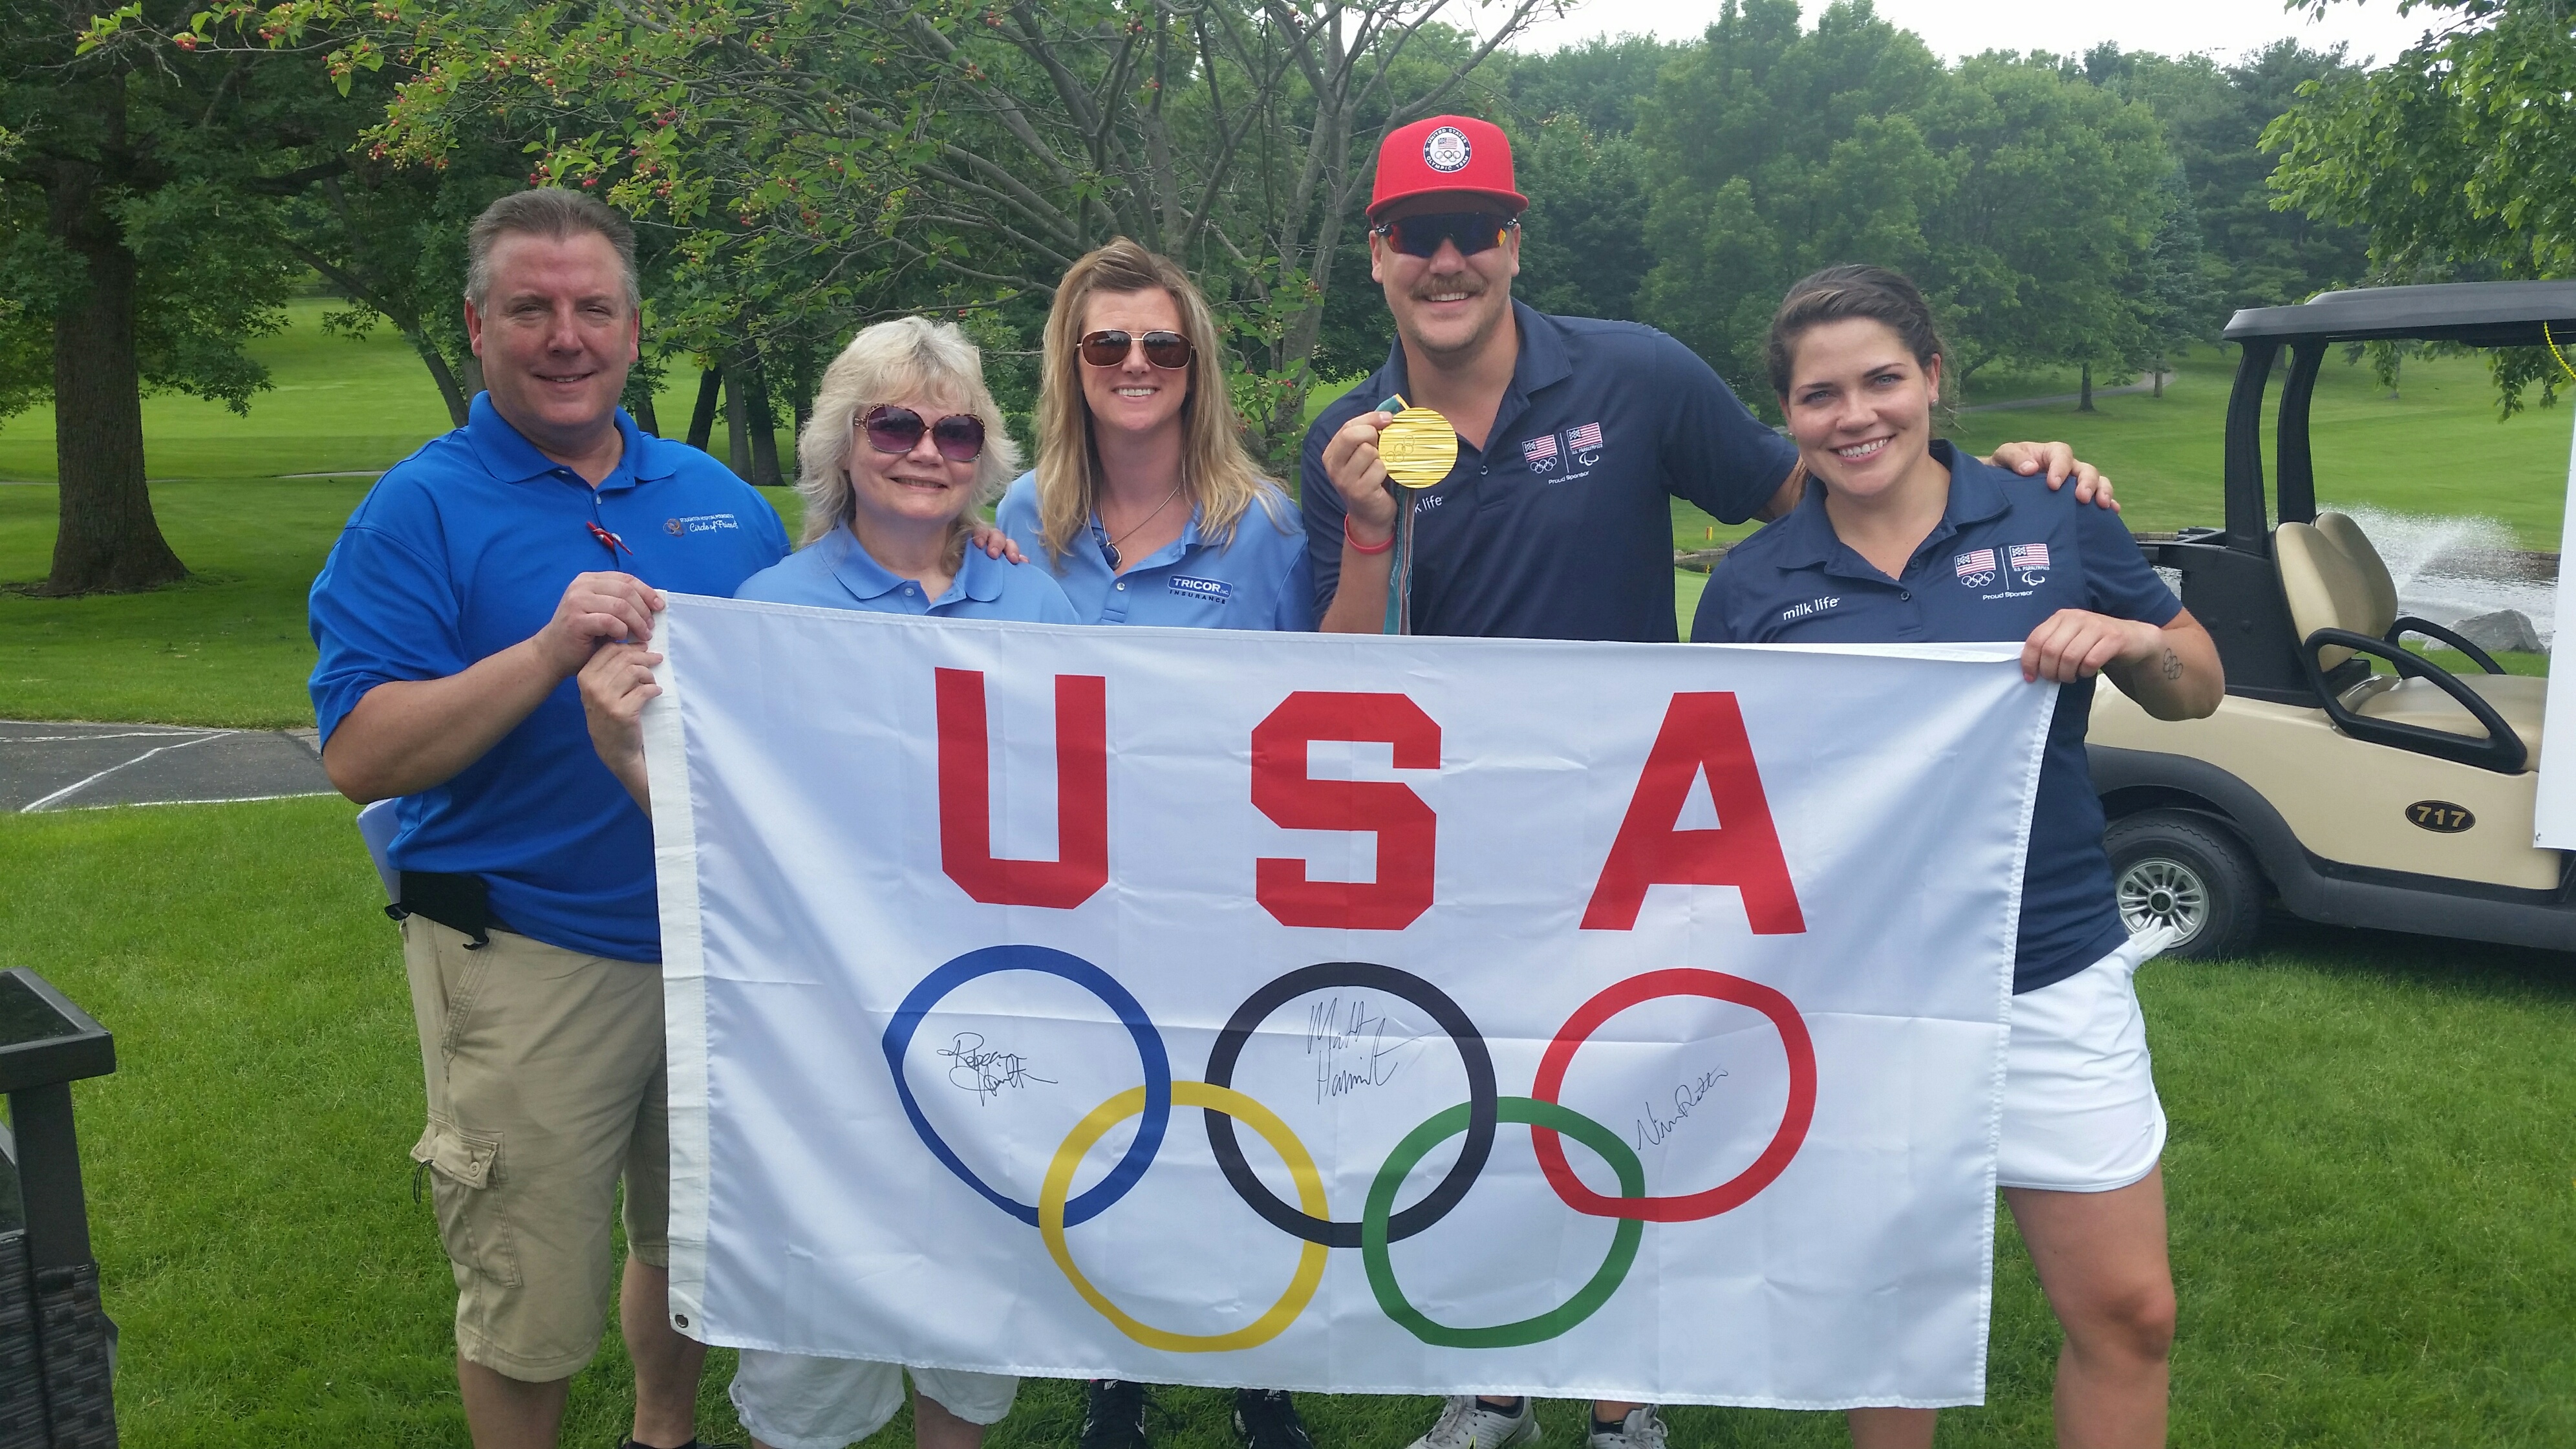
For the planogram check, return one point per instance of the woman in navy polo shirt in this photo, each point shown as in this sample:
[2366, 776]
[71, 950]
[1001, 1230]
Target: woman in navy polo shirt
[905, 442]
[1143, 502]
[1148, 510]
[1908, 538]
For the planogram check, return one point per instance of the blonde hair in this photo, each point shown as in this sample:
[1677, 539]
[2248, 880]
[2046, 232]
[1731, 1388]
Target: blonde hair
[1220, 477]
[907, 357]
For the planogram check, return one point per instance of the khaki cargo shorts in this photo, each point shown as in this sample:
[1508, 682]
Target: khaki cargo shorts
[545, 1076]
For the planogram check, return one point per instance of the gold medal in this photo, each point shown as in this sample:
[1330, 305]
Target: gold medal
[1419, 447]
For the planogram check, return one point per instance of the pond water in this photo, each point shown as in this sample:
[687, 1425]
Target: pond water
[2452, 568]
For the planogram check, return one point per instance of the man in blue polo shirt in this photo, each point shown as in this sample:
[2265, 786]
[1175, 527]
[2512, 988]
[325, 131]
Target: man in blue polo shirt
[1573, 433]
[1555, 521]
[467, 590]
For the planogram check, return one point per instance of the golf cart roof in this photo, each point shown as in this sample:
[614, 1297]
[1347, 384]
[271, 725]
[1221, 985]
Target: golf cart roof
[2481, 314]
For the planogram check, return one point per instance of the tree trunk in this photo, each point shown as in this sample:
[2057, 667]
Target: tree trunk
[470, 370]
[763, 422]
[2084, 398]
[459, 403]
[107, 540]
[2160, 377]
[737, 434]
[702, 418]
[645, 416]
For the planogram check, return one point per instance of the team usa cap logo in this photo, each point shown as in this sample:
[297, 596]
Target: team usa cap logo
[1445, 156]
[1446, 150]
[1976, 567]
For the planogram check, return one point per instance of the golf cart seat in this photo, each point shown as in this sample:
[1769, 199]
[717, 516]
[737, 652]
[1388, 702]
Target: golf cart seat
[2343, 603]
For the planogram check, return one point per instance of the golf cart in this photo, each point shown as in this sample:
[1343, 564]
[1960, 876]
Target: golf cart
[2350, 780]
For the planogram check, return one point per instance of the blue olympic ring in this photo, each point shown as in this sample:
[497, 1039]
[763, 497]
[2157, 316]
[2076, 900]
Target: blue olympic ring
[1149, 1049]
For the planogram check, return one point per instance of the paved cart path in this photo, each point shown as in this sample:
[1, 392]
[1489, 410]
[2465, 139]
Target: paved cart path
[47, 765]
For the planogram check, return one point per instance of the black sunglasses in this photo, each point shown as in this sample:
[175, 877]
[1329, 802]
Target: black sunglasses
[1421, 236]
[1169, 351]
[959, 437]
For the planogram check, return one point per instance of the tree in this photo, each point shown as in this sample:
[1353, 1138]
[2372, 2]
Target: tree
[2018, 195]
[813, 159]
[2454, 155]
[138, 250]
[1776, 151]
[2213, 119]
[2036, 245]
[390, 238]
[1583, 240]
[2177, 291]
[1601, 82]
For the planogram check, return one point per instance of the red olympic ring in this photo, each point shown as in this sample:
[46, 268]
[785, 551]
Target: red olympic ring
[1735, 1191]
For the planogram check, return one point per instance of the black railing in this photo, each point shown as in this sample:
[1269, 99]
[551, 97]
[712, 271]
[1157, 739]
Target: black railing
[57, 1349]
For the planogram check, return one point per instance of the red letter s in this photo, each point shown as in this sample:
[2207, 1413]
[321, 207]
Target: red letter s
[1081, 866]
[1406, 829]
[1702, 732]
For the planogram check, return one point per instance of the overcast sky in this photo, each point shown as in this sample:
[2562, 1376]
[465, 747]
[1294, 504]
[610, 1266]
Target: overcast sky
[2226, 28]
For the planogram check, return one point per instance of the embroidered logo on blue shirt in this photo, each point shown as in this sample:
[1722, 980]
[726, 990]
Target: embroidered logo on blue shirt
[1214, 591]
[1812, 606]
[699, 523]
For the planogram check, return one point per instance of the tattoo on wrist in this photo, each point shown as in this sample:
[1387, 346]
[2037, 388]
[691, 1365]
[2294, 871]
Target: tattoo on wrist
[2172, 665]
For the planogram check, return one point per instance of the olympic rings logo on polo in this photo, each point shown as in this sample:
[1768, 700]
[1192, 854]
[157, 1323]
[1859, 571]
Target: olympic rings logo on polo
[1379, 1224]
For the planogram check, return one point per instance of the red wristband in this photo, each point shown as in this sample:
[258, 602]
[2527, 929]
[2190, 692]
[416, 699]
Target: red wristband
[1358, 547]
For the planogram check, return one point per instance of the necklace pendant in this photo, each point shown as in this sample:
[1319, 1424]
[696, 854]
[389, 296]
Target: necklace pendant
[1110, 552]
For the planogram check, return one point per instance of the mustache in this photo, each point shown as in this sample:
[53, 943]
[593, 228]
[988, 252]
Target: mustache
[1466, 282]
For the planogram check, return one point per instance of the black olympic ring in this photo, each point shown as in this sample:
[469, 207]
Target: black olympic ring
[1481, 1098]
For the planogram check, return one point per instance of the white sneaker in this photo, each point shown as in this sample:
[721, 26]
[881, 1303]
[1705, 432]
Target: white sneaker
[1468, 1422]
[1642, 1429]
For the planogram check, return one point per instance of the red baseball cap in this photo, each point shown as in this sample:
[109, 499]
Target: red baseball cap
[1445, 153]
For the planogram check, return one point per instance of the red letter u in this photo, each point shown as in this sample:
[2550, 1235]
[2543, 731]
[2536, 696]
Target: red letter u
[1081, 866]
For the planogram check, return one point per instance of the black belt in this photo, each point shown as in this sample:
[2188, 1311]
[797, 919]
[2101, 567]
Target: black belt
[459, 902]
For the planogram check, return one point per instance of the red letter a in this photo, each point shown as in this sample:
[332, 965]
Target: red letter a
[1081, 866]
[1702, 733]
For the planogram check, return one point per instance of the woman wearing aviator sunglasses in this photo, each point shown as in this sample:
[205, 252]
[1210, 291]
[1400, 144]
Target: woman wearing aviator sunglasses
[1151, 512]
[904, 442]
[1148, 508]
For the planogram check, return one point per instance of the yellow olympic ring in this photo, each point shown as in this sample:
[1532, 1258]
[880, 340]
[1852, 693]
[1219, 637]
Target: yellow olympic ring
[1243, 1109]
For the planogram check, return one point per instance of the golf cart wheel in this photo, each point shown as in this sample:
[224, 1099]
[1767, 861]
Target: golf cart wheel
[2173, 868]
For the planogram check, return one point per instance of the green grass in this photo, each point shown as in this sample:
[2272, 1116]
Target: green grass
[2372, 1187]
[228, 647]
[337, 406]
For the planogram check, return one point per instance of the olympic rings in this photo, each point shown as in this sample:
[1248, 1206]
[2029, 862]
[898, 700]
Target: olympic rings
[1605, 1281]
[1379, 1225]
[1157, 1091]
[1735, 1191]
[1406, 986]
[1212, 1099]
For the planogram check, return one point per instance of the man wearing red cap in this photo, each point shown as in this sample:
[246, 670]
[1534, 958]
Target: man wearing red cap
[1555, 521]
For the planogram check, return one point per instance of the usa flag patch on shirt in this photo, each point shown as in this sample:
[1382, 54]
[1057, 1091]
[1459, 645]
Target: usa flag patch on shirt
[1585, 439]
[2028, 558]
[1540, 452]
[1976, 567]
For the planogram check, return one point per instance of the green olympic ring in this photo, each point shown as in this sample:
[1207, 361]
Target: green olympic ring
[1528, 1111]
